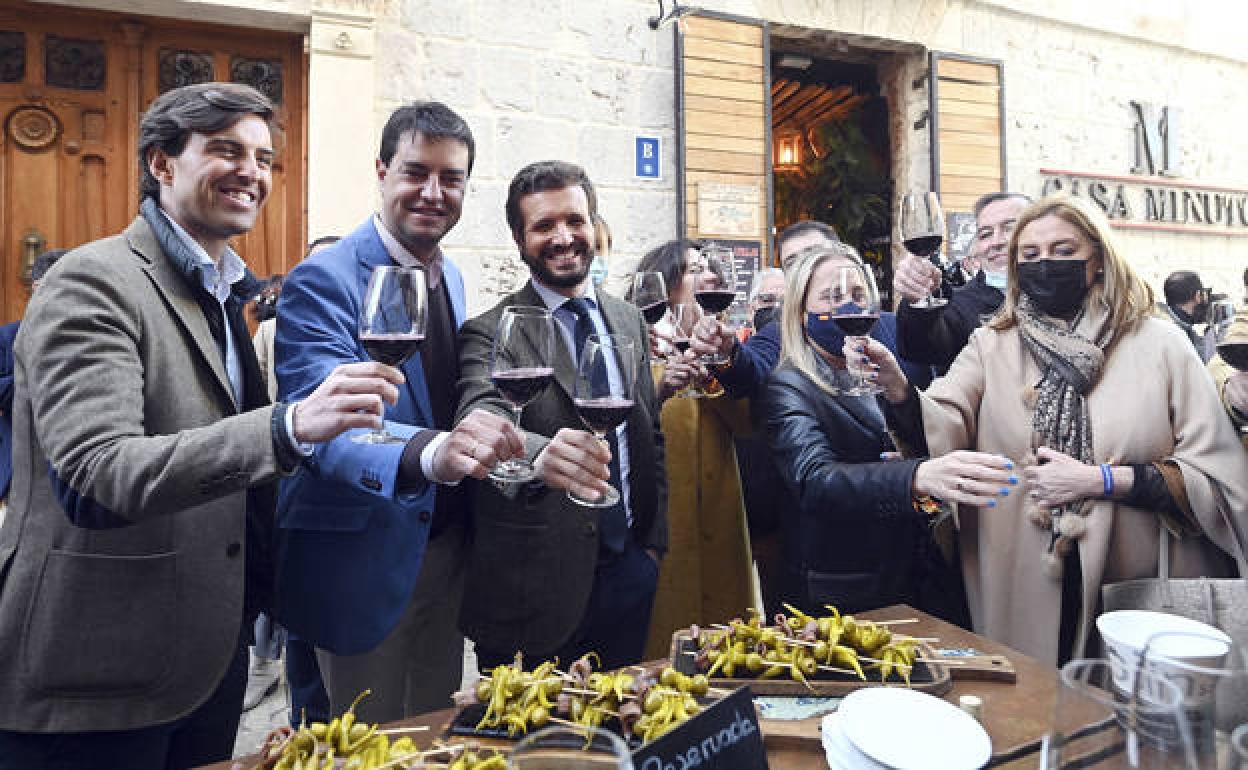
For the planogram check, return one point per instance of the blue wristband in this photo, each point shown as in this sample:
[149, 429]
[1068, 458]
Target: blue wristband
[1107, 476]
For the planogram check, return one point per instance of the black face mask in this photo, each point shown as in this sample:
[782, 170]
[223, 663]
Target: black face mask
[1200, 313]
[765, 315]
[1056, 286]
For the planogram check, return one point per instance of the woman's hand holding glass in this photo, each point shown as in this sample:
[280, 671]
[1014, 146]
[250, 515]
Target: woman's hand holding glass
[870, 359]
[680, 370]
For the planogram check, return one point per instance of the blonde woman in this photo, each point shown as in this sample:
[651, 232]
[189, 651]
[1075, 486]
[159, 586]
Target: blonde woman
[1114, 426]
[858, 537]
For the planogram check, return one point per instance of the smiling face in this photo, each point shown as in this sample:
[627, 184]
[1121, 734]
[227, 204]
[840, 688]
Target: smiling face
[422, 191]
[993, 228]
[214, 189]
[556, 239]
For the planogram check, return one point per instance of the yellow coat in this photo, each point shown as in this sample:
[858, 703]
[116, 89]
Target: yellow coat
[707, 575]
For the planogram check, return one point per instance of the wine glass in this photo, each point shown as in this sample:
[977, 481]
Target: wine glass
[561, 747]
[922, 233]
[520, 369]
[855, 302]
[650, 294]
[683, 318]
[715, 288]
[392, 325]
[1097, 725]
[603, 395]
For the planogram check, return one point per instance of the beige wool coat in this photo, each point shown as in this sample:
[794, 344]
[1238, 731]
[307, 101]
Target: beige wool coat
[1153, 401]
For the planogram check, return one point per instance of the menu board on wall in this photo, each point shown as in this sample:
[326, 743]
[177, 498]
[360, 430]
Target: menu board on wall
[729, 209]
[745, 257]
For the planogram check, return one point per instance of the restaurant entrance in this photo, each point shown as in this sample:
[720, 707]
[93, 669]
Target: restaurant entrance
[831, 151]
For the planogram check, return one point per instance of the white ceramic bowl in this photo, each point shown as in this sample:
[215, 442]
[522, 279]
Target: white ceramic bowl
[1187, 643]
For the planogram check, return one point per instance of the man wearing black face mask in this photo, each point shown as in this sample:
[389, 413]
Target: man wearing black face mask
[1187, 303]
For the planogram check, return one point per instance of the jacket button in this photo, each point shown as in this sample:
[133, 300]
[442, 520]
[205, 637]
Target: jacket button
[233, 549]
[425, 516]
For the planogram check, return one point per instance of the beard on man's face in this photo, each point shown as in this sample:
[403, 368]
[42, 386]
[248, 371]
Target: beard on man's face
[541, 270]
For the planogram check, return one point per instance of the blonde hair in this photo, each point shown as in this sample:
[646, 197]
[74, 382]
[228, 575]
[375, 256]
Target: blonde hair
[1127, 298]
[795, 346]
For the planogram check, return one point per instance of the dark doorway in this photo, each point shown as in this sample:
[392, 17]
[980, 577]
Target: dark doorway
[831, 152]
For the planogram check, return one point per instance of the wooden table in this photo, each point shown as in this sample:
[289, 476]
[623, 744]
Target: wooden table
[1016, 715]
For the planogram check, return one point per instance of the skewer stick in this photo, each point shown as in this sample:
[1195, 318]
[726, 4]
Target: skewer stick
[894, 622]
[928, 639]
[566, 723]
[397, 730]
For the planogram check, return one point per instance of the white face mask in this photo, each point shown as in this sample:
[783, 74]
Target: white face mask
[995, 280]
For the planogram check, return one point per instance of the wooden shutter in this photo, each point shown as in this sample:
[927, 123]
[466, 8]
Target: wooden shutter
[968, 129]
[725, 120]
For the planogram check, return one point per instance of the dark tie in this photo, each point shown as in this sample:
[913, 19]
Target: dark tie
[613, 521]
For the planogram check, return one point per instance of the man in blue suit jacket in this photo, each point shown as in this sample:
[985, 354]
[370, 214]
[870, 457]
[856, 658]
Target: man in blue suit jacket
[371, 536]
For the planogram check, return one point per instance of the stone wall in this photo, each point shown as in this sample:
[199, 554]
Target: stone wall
[539, 79]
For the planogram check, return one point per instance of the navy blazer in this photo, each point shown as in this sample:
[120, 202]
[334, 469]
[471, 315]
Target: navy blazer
[8, 333]
[349, 546]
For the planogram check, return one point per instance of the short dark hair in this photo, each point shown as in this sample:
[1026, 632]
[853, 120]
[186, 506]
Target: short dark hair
[988, 199]
[806, 226]
[670, 259]
[44, 262]
[543, 176]
[202, 108]
[1181, 286]
[432, 120]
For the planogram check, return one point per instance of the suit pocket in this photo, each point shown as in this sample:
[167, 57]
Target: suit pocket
[324, 506]
[100, 625]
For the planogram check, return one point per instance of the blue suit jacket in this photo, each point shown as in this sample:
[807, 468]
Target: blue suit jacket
[349, 547]
[7, 334]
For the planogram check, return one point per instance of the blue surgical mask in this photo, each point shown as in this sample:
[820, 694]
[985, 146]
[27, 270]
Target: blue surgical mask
[996, 280]
[824, 331]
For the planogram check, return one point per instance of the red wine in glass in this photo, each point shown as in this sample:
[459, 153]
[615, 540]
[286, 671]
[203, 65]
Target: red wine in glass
[391, 349]
[924, 245]
[715, 300]
[857, 325]
[521, 386]
[603, 414]
[654, 313]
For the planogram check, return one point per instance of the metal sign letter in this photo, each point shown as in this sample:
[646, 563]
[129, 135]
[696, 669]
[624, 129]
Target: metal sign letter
[1156, 140]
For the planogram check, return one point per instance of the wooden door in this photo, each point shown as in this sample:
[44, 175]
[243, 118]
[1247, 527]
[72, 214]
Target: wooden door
[73, 85]
[64, 163]
[968, 129]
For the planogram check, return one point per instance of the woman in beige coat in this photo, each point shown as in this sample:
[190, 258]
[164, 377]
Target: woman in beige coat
[1111, 420]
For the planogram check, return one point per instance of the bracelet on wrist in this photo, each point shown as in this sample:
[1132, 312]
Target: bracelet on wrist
[1107, 480]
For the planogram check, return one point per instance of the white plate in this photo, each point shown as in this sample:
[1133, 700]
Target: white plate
[840, 752]
[909, 730]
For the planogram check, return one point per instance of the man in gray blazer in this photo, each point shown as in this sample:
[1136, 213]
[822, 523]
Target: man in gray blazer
[546, 576]
[135, 551]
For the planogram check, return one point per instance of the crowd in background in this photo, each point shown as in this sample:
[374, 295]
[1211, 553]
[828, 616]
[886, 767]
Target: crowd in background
[181, 493]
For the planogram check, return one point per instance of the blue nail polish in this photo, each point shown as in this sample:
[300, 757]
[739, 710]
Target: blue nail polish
[861, 349]
[866, 360]
[1013, 479]
[992, 503]
[883, 455]
[1005, 491]
[1009, 465]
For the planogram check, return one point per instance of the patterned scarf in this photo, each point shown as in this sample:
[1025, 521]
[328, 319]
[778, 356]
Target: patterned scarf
[1070, 362]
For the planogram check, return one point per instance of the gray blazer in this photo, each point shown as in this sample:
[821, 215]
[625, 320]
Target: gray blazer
[533, 555]
[122, 408]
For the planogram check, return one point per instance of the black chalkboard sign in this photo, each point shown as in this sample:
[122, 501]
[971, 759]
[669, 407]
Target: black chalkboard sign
[723, 737]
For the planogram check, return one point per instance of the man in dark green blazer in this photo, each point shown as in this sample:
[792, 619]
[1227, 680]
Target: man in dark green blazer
[546, 576]
[135, 552]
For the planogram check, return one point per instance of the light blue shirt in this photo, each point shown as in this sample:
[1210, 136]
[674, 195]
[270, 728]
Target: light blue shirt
[218, 282]
[567, 330]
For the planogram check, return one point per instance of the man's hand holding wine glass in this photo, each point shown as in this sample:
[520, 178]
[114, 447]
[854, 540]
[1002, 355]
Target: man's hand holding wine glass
[479, 442]
[352, 396]
[915, 278]
[577, 462]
